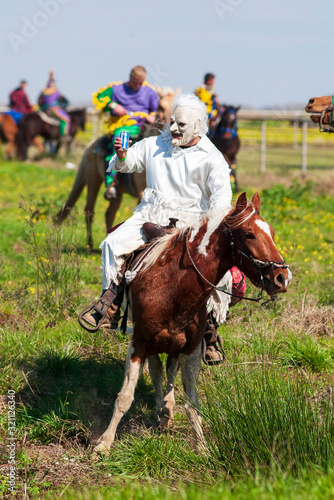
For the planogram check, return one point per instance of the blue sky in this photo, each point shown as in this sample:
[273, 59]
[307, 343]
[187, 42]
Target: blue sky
[264, 53]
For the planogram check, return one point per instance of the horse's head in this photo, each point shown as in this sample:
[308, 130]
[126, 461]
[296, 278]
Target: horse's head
[78, 116]
[227, 127]
[254, 250]
[318, 104]
[164, 111]
[322, 109]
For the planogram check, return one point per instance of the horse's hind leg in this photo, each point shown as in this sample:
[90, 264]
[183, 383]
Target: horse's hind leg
[123, 402]
[190, 368]
[167, 412]
[156, 370]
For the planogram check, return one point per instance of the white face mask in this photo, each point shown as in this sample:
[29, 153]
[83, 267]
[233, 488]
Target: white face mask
[185, 125]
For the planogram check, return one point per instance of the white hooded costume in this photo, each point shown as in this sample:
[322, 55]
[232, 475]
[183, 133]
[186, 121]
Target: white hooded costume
[183, 182]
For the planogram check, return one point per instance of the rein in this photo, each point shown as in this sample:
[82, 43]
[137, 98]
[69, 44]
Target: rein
[259, 264]
[330, 127]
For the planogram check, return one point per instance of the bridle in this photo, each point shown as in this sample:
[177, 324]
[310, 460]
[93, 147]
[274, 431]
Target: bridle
[330, 127]
[259, 264]
[223, 129]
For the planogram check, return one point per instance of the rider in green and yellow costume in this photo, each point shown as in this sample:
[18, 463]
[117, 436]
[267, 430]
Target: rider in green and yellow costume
[130, 106]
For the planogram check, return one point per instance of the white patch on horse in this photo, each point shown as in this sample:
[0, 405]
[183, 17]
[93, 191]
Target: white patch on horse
[264, 226]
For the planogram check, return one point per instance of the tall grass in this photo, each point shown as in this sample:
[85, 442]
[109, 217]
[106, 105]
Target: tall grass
[53, 251]
[266, 422]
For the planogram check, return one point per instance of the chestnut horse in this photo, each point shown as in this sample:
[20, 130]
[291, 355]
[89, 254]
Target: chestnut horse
[32, 124]
[225, 137]
[322, 112]
[8, 133]
[91, 172]
[168, 298]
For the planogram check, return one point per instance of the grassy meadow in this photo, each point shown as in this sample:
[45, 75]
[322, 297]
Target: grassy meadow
[267, 412]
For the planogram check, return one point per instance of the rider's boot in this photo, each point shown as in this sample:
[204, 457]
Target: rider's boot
[108, 308]
[112, 190]
[213, 352]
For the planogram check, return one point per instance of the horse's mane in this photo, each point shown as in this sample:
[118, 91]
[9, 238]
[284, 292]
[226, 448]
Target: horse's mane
[164, 243]
[233, 220]
[168, 241]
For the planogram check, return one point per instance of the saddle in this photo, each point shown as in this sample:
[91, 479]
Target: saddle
[135, 259]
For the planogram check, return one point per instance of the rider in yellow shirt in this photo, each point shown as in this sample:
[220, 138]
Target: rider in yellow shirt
[207, 94]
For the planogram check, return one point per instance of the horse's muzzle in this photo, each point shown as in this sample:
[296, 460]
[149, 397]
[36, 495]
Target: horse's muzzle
[277, 281]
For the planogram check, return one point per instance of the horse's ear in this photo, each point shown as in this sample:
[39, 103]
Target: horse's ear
[256, 202]
[241, 203]
[178, 91]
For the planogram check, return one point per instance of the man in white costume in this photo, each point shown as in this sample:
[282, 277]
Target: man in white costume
[187, 178]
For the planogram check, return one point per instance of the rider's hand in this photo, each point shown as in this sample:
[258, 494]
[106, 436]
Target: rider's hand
[150, 119]
[118, 109]
[118, 148]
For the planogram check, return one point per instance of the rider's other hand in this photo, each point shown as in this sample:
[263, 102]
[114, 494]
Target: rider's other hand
[119, 110]
[150, 119]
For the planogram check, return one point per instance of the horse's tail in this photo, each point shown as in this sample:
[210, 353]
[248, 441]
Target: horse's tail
[77, 188]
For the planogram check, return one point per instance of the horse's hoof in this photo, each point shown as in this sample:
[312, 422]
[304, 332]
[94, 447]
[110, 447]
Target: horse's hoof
[101, 450]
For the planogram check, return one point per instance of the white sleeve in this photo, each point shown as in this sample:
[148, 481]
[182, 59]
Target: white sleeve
[220, 185]
[134, 161]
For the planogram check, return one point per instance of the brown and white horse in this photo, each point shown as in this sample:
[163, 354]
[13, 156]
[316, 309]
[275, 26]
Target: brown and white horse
[322, 112]
[168, 300]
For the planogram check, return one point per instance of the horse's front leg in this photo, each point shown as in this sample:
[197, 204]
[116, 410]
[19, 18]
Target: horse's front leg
[167, 412]
[112, 209]
[156, 370]
[124, 399]
[190, 369]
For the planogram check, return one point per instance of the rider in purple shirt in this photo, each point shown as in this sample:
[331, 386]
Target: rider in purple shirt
[130, 104]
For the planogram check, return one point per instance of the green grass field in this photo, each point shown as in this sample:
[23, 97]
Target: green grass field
[267, 412]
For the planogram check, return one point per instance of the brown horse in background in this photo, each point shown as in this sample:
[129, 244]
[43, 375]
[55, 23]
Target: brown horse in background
[322, 112]
[169, 316]
[34, 124]
[91, 172]
[8, 134]
[224, 136]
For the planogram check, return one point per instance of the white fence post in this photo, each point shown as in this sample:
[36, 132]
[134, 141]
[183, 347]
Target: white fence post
[295, 133]
[304, 147]
[263, 146]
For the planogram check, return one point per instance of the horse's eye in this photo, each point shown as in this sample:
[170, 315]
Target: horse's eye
[250, 236]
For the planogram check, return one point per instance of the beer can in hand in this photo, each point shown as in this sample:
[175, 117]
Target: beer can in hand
[125, 140]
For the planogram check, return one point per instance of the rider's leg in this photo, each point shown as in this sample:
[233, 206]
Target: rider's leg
[125, 239]
[64, 120]
[235, 283]
[213, 354]
[111, 180]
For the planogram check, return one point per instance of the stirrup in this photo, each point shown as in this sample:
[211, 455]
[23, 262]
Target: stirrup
[219, 347]
[101, 307]
[84, 325]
